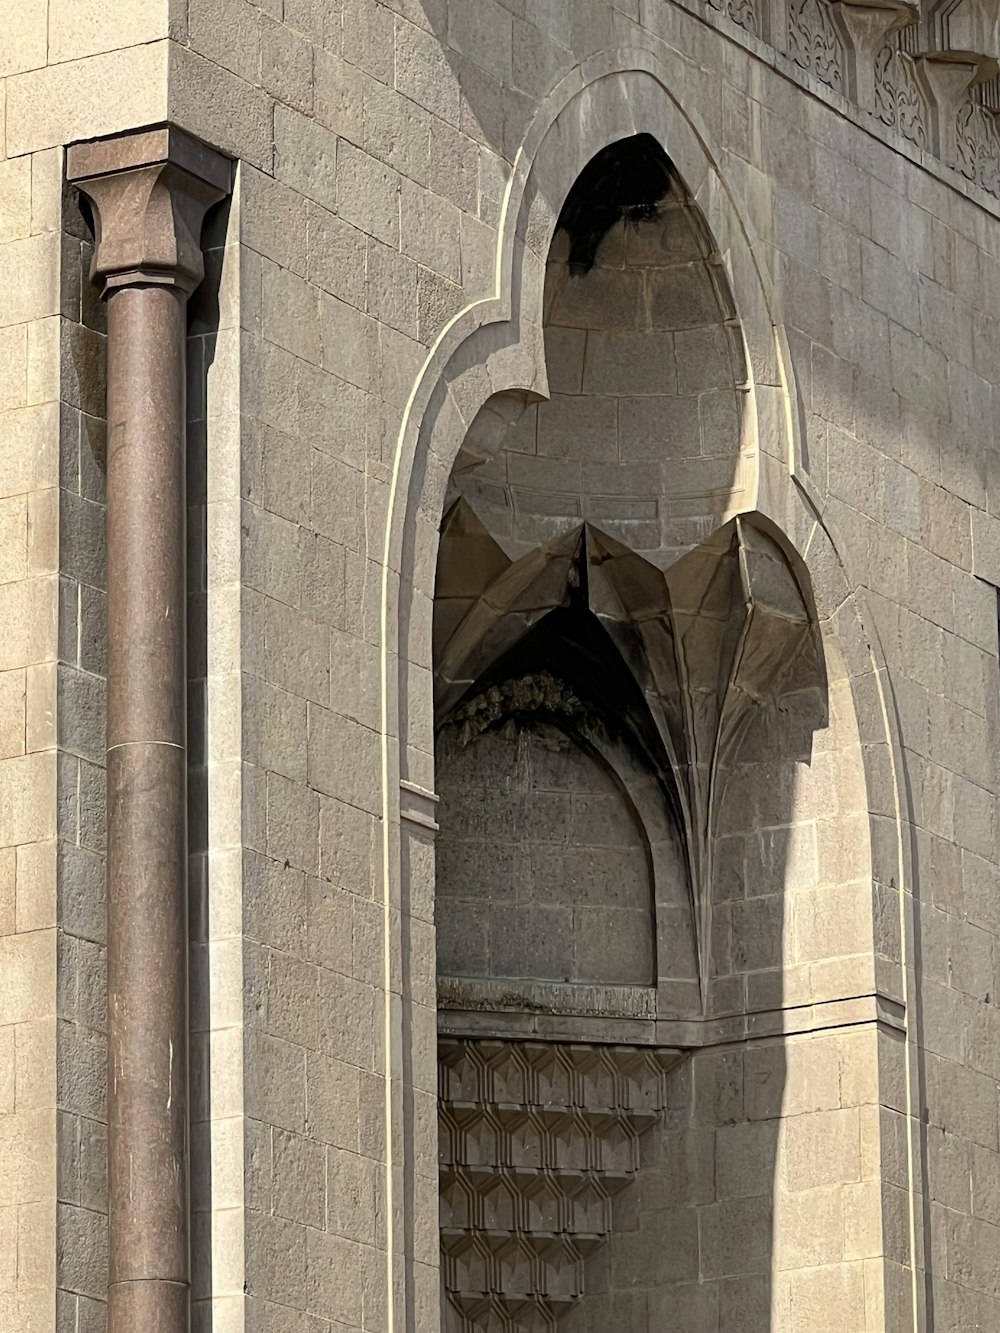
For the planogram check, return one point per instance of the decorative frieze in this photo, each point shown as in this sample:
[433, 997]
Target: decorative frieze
[928, 71]
[900, 101]
[536, 1139]
[743, 12]
[815, 43]
[978, 145]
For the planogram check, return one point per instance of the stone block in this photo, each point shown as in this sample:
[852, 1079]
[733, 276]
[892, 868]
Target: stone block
[822, 1148]
[299, 1179]
[734, 1237]
[290, 308]
[74, 34]
[744, 1159]
[27, 47]
[13, 366]
[438, 301]
[348, 847]
[352, 1037]
[8, 903]
[333, 1278]
[402, 139]
[228, 112]
[613, 945]
[809, 1227]
[227, 33]
[274, 903]
[423, 74]
[15, 190]
[918, 371]
[27, 803]
[888, 286]
[276, 1261]
[80, 705]
[271, 560]
[331, 739]
[273, 218]
[286, 65]
[27, 977]
[454, 166]
[87, 98]
[12, 713]
[369, 38]
[392, 288]
[296, 652]
[812, 1076]
[825, 1299]
[29, 269]
[332, 1094]
[629, 364]
[580, 427]
[292, 824]
[336, 256]
[338, 95]
[832, 922]
[368, 194]
[486, 37]
[350, 343]
[275, 728]
[275, 1082]
[352, 1196]
[332, 930]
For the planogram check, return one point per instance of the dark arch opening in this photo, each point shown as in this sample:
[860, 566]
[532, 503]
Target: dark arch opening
[626, 180]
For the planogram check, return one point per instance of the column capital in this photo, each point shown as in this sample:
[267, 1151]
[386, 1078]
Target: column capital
[150, 190]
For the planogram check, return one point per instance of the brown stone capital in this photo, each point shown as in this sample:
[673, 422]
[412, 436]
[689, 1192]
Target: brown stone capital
[150, 190]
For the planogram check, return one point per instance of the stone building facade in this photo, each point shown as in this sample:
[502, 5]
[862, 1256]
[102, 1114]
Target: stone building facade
[586, 736]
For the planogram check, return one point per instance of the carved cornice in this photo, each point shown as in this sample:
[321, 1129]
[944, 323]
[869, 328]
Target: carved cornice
[917, 66]
[150, 190]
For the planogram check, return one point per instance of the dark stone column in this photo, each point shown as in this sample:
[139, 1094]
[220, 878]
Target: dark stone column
[149, 192]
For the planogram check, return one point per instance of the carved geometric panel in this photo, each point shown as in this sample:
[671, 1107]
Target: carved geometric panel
[536, 1139]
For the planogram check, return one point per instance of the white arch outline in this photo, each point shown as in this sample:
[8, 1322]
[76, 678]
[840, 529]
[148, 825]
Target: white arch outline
[784, 491]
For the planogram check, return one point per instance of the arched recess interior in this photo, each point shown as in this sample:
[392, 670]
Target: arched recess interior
[497, 347]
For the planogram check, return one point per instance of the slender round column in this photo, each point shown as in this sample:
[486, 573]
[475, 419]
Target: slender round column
[149, 1270]
[150, 192]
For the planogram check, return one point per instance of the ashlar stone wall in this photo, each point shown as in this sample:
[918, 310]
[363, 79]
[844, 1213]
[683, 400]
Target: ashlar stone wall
[377, 202]
[542, 865]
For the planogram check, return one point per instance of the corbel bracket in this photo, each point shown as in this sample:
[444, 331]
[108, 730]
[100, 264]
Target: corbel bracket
[958, 47]
[865, 26]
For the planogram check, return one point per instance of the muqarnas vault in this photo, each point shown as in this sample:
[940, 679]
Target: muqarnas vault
[623, 689]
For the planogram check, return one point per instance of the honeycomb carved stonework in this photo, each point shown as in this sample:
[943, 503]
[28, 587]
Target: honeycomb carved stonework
[536, 1139]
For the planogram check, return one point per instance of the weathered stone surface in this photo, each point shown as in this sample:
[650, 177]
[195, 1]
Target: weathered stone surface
[853, 921]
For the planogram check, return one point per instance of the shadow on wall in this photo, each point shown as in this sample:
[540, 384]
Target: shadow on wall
[203, 331]
[505, 66]
[634, 743]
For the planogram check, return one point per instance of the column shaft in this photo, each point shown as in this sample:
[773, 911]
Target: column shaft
[149, 1264]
